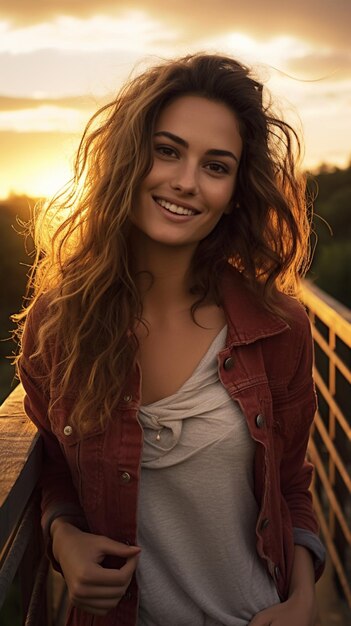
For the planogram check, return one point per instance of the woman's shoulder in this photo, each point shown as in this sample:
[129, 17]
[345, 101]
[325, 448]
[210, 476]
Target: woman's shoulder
[41, 306]
[38, 311]
[294, 312]
[287, 309]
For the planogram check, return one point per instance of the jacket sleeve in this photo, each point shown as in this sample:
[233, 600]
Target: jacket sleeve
[295, 471]
[59, 497]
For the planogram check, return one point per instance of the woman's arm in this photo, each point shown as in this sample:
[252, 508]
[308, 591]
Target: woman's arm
[59, 496]
[77, 554]
[295, 479]
[295, 471]
[91, 587]
[300, 607]
[302, 583]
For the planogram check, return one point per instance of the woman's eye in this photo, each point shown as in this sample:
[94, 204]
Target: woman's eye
[165, 151]
[218, 168]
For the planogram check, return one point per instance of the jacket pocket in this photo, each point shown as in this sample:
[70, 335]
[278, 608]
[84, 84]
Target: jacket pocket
[84, 456]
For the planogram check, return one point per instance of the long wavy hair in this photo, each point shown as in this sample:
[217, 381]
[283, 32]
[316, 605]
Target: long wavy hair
[85, 269]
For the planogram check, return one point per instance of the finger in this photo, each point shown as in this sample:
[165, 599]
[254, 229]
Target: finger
[88, 592]
[99, 605]
[109, 546]
[99, 576]
[128, 569]
[115, 577]
[91, 610]
[103, 583]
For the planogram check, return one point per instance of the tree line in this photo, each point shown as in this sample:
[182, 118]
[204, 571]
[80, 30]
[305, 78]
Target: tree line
[331, 266]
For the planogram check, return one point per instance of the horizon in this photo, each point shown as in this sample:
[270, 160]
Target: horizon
[323, 168]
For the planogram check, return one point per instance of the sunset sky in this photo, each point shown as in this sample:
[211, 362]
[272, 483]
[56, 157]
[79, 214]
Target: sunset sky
[61, 59]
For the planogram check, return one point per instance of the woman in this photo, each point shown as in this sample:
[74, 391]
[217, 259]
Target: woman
[168, 365]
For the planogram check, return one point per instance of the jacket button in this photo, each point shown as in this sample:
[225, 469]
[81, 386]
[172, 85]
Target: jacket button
[127, 397]
[228, 363]
[125, 477]
[128, 595]
[67, 430]
[277, 572]
[264, 523]
[260, 421]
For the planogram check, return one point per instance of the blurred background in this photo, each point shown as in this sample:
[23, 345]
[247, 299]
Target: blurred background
[61, 60]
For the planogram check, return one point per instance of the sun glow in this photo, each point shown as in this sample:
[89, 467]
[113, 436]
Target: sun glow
[44, 172]
[50, 181]
[43, 119]
[39, 180]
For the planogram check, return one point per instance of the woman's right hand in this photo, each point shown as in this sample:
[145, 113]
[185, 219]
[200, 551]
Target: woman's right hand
[91, 587]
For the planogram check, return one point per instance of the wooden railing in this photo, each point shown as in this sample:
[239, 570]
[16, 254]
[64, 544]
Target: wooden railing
[21, 549]
[330, 443]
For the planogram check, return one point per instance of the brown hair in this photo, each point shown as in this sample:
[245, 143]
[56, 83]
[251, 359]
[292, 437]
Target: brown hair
[93, 299]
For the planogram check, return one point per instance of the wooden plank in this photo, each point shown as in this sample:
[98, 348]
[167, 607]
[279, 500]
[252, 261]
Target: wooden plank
[332, 549]
[332, 356]
[16, 549]
[332, 451]
[330, 311]
[20, 462]
[319, 467]
[332, 404]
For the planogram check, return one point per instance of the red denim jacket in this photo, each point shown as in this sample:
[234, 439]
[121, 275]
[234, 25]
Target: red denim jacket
[266, 366]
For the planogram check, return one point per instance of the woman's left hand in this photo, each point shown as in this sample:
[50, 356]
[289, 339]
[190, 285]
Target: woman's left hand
[296, 611]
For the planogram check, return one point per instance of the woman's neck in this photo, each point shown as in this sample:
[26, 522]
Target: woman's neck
[162, 274]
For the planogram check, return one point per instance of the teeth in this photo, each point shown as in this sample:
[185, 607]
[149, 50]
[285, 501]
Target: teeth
[174, 208]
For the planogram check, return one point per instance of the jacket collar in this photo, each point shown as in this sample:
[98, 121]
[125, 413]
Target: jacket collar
[247, 318]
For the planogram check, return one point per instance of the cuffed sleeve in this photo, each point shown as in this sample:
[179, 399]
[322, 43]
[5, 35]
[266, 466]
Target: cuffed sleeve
[305, 538]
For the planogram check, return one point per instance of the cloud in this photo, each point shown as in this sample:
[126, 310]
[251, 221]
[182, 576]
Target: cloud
[96, 33]
[8, 103]
[322, 21]
[55, 73]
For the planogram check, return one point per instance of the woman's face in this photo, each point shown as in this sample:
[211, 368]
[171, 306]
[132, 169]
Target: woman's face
[196, 151]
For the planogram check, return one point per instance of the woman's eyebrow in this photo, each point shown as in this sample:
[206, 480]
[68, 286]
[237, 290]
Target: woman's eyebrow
[174, 138]
[182, 142]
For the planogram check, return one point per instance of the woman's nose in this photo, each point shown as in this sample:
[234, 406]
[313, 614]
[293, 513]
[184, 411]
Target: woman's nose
[185, 179]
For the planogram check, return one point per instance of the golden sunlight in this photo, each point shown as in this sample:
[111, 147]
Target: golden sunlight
[43, 169]
[47, 181]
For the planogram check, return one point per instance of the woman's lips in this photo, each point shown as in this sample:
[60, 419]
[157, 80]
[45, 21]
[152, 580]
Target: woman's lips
[175, 208]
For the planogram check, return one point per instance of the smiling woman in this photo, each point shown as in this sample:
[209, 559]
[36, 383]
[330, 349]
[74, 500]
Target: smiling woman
[168, 365]
[197, 147]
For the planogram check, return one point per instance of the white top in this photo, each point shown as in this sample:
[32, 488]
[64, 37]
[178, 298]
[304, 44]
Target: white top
[197, 512]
